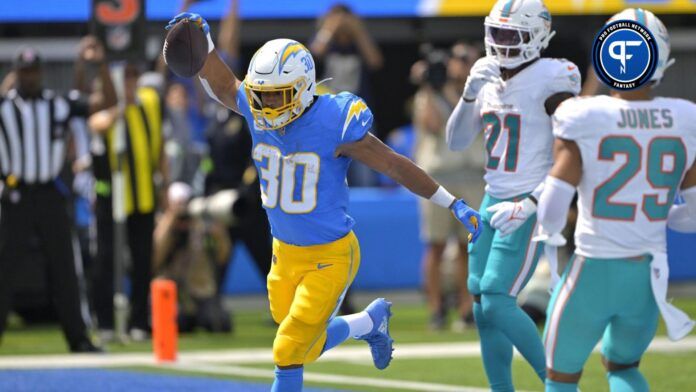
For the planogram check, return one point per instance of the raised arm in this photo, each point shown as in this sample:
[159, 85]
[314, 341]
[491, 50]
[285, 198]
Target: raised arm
[366, 45]
[91, 51]
[228, 37]
[462, 126]
[219, 82]
[465, 122]
[378, 156]
[333, 20]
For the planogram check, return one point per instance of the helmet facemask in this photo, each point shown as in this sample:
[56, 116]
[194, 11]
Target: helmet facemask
[515, 45]
[289, 109]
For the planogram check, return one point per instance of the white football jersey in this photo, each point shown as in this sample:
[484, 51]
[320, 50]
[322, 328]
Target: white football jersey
[634, 157]
[517, 130]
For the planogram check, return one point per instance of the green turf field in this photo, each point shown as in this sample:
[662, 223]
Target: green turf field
[665, 371]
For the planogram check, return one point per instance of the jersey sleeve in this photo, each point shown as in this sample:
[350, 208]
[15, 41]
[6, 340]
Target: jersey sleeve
[566, 79]
[356, 119]
[568, 120]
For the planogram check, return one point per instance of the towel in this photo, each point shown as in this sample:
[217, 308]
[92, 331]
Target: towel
[551, 244]
[678, 323]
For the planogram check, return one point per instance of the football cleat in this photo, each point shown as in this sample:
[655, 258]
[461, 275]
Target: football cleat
[379, 339]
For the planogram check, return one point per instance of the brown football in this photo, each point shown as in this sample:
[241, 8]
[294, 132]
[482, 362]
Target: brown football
[185, 49]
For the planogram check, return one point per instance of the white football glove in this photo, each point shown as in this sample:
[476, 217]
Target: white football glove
[485, 70]
[508, 216]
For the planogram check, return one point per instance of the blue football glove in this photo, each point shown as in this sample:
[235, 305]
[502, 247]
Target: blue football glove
[469, 217]
[195, 18]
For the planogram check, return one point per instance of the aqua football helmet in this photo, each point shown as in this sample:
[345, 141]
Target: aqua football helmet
[286, 68]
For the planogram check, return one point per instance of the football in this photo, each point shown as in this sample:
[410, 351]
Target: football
[185, 49]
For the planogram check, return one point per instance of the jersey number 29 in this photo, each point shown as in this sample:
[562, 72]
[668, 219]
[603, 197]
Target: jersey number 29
[657, 176]
[291, 180]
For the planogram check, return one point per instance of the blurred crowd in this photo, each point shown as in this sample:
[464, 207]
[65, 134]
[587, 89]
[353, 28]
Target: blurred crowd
[162, 184]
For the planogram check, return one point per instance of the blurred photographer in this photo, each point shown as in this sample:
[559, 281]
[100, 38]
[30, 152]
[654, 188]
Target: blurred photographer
[440, 77]
[190, 244]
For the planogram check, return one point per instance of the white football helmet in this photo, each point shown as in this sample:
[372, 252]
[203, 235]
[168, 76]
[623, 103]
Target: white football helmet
[284, 67]
[658, 30]
[517, 31]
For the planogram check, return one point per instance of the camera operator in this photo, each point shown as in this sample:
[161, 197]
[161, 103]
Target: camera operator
[190, 244]
[440, 77]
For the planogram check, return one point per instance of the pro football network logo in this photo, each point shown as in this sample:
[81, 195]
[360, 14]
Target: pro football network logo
[624, 55]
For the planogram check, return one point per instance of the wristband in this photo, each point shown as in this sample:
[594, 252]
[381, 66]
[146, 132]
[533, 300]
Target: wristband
[442, 197]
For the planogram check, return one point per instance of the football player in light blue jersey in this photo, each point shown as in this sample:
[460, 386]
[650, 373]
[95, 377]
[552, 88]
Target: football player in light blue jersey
[302, 147]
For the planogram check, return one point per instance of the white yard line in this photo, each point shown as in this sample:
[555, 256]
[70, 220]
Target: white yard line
[323, 378]
[258, 355]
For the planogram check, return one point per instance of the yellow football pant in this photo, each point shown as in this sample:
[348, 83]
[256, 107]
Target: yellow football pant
[306, 286]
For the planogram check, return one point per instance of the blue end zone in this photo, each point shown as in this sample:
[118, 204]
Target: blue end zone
[90, 380]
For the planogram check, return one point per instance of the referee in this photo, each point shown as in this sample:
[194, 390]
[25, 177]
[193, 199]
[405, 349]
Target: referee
[33, 135]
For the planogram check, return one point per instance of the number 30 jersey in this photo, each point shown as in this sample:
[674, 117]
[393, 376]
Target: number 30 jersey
[303, 183]
[634, 157]
[517, 130]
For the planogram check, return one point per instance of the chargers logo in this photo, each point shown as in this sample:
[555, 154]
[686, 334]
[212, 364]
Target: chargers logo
[624, 55]
[290, 51]
[356, 107]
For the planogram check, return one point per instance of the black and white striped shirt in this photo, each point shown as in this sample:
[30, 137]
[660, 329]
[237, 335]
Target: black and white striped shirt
[33, 133]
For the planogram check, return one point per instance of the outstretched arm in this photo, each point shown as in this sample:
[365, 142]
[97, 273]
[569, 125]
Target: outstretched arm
[378, 156]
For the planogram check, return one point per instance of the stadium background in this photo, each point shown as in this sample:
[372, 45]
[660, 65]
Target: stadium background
[387, 219]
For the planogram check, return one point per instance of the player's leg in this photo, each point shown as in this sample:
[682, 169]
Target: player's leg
[140, 229]
[511, 263]
[432, 261]
[472, 191]
[371, 325]
[281, 290]
[577, 317]
[466, 302]
[321, 283]
[629, 333]
[339, 329]
[58, 246]
[496, 348]
[435, 228]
